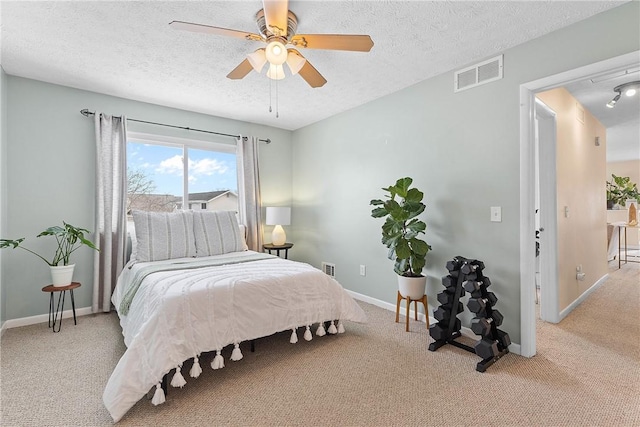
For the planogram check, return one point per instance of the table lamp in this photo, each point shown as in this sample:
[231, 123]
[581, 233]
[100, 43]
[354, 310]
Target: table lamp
[278, 216]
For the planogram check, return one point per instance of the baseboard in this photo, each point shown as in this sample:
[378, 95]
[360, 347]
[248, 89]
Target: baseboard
[513, 348]
[564, 313]
[43, 318]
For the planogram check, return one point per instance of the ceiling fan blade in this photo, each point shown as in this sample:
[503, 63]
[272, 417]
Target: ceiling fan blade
[199, 28]
[309, 73]
[276, 14]
[241, 70]
[352, 42]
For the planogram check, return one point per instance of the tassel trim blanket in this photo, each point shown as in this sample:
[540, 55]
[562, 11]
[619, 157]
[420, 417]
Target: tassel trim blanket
[177, 314]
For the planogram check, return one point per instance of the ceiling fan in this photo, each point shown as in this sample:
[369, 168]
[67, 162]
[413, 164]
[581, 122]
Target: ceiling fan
[277, 26]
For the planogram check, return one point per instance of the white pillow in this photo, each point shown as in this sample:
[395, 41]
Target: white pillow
[133, 243]
[217, 233]
[163, 235]
[243, 233]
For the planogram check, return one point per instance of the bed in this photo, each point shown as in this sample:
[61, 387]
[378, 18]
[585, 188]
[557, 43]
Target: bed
[193, 287]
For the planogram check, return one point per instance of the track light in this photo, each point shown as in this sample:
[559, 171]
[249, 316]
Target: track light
[612, 103]
[629, 89]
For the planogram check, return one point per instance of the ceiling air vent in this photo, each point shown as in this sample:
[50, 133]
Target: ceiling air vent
[478, 74]
[329, 269]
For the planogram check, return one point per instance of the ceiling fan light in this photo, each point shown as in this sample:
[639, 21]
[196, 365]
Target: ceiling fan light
[257, 59]
[275, 72]
[276, 53]
[295, 62]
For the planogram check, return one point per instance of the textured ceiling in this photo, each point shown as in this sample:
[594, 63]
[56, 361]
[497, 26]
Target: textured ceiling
[127, 49]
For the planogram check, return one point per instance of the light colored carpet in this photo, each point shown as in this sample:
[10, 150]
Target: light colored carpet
[586, 373]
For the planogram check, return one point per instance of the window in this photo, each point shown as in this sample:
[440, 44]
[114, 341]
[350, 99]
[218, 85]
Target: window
[164, 174]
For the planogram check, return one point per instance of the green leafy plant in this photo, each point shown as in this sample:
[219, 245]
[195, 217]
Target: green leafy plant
[69, 238]
[621, 189]
[402, 227]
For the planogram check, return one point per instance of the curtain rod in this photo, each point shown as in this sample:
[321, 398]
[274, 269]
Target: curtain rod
[88, 113]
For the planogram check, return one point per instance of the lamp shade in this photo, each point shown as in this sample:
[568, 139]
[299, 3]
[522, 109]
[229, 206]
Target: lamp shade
[275, 72]
[295, 62]
[257, 59]
[278, 215]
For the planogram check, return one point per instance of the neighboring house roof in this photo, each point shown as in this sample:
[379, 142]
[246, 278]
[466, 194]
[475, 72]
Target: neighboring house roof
[208, 195]
[168, 202]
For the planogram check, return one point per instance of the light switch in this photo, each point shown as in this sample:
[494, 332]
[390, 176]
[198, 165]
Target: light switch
[496, 213]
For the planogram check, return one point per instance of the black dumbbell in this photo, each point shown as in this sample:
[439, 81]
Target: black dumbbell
[454, 265]
[486, 348]
[482, 325]
[450, 282]
[441, 314]
[440, 330]
[503, 339]
[445, 298]
[448, 307]
[476, 285]
[472, 285]
[469, 267]
[479, 263]
[479, 305]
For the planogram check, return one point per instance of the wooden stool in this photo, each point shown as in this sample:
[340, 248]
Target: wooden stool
[423, 300]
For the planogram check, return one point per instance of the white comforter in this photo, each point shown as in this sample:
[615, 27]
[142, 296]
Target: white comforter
[176, 315]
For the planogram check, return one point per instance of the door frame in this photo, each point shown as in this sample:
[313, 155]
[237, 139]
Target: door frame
[527, 183]
[546, 125]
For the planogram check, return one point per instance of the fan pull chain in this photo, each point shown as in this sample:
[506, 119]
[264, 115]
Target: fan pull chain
[269, 95]
[277, 113]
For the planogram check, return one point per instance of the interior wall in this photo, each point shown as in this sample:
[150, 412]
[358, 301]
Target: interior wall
[581, 201]
[3, 182]
[50, 157]
[462, 149]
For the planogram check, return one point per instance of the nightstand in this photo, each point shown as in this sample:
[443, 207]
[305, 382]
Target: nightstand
[271, 247]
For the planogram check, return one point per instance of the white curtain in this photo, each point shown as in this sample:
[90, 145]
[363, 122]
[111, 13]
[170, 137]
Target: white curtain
[250, 202]
[111, 197]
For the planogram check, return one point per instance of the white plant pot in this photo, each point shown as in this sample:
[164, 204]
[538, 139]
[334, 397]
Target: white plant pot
[62, 275]
[412, 287]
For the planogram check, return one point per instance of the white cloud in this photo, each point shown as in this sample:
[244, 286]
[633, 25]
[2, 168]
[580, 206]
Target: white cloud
[207, 167]
[171, 166]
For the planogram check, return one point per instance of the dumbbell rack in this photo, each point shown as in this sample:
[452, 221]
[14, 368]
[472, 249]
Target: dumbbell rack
[494, 343]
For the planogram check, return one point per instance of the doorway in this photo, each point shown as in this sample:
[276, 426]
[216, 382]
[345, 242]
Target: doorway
[528, 190]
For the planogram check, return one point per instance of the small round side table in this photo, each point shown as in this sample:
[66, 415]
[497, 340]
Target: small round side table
[54, 311]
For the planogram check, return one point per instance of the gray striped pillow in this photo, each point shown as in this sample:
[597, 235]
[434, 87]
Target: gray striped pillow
[217, 233]
[164, 235]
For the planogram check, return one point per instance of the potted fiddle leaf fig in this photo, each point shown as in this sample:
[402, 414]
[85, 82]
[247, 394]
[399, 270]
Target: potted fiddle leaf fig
[68, 238]
[400, 233]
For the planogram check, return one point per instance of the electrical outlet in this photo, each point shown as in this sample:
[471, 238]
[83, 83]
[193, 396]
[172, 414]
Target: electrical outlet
[363, 270]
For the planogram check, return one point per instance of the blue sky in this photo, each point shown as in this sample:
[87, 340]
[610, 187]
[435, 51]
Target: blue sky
[208, 170]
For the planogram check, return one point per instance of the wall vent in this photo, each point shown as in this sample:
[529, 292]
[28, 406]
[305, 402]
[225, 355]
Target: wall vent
[478, 74]
[329, 269]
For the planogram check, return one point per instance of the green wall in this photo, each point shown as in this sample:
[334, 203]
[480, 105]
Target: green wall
[462, 149]
[3, 182]
[50, 157]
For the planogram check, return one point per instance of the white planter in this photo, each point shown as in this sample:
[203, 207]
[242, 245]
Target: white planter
[62, 275]
[412, 287]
